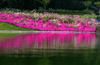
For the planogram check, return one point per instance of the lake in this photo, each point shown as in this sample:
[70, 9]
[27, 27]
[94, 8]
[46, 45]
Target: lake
[49, 49]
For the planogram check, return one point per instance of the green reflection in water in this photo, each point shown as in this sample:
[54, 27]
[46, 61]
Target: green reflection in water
[31, 56]
[44, 61]
[8, 35]
[91, 57]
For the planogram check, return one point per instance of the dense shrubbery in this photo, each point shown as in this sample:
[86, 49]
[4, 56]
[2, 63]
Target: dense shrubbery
[34, 4]
[67, 11]
[60, 11]
[54, 4]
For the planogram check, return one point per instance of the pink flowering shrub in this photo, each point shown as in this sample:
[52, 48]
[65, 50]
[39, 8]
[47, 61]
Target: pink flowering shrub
[49, 22]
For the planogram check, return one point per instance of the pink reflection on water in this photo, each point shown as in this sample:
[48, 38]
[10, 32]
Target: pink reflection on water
[50, 41]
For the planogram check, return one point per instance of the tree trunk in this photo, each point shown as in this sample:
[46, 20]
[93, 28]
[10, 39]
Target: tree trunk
[44, 7]
[99, 14]
[87, 10]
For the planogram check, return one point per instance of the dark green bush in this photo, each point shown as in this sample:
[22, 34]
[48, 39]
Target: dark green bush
[67, 11]
[33, 4]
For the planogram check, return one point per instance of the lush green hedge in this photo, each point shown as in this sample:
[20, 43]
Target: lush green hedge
[59, 11]
[67, 11]
[34, 4]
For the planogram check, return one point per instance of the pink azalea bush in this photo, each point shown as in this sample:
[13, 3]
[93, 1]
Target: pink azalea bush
[49, 22]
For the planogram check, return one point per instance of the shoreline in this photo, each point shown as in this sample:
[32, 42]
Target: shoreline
[43, 32]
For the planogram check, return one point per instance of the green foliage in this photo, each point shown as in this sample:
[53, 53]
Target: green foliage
[44, 2]
[67, 11]
[97, 4]
[35, 4]
[87, 3]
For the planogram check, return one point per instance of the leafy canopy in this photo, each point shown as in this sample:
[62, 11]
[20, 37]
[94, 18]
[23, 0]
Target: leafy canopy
[87, 3]
[45, 2]
[97, 4]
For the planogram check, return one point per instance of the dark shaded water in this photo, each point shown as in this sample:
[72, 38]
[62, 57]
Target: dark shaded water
[50, 49]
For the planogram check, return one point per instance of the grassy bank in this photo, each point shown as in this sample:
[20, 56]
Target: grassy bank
[84, 16]
[89, 16]
[11, 27]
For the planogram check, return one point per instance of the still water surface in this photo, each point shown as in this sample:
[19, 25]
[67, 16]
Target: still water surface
[50, 49]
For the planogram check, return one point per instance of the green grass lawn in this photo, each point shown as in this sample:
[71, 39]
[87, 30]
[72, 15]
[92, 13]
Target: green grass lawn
[84, 16]
[11, 27]
[89, 16]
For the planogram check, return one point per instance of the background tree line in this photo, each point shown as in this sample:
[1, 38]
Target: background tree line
[35, 4]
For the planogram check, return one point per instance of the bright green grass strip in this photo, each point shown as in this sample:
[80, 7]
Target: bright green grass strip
[89, 16]
[84, 16]
[11, 27]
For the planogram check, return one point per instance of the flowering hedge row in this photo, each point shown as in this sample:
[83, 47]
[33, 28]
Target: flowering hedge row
[49, 22]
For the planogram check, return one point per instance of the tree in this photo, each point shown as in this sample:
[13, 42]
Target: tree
[44, 2]
[87, 4]
[97, 4]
